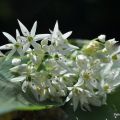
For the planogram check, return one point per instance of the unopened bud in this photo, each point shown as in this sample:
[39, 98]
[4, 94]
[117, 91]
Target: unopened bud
[102, 38]
[16, 61]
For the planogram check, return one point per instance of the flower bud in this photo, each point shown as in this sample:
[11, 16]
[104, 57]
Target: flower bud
[110, 43]
[16, 61]
[91, 48]
[102, 38]
[34, 59]
[81, 60]
[44, 42]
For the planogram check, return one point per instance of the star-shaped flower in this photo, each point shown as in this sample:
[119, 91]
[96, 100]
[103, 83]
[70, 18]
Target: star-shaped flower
[57, 37]
[29, 37]
[26, 74]
[59, 42]
[15, 45]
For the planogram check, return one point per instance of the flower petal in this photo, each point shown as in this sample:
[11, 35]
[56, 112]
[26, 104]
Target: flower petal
[56, 30]
[23, 39]
[75, 102]
[66, 35]
[69, 96]
[17, 33]
[41, 36]
[24, 86]
[6, 47]
[20, 68]
[36, 45]
[33, 30]
[18, 36]
[20, 51]
[26, 47]
[18, 79]
[9, 37]
[24, 30]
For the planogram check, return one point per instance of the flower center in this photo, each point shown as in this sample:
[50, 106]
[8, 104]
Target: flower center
[86, 75]
[106, 87]
[30, 39]
[17, 45]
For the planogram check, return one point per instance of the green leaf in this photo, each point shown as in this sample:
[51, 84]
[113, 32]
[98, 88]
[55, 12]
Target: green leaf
[111, 111]
[11, 96]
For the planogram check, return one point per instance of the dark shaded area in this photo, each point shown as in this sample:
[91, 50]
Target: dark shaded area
[50, 114]
[86, 18]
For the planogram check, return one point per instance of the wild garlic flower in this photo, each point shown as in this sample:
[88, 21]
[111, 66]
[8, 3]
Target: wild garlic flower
[59, 42]
[30, 38]
[26, 75]
[15, 45]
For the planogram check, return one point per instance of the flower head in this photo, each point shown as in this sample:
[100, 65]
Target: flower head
[15, 45]
[30, 38]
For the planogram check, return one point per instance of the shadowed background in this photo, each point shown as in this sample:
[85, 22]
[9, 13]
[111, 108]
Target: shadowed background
[86, 18]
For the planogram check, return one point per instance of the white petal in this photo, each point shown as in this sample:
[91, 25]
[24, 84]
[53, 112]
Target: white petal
[23, 40]
[20, 68]
[18, 79]
[50, 31]
[9, 37]
[24, 86]
[66, 35]
[72, 47]
[17, 33]
[75, 102]
[26, 47]
[80, 82]
[24, 30]
[33, 30]
[69, 97]
[56, 30]
[41, 36]
[20, 51]
[18, 36]
[6, 47]
[36, 45]
[52, 90]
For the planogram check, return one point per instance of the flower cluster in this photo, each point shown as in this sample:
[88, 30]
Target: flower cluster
[58, 71]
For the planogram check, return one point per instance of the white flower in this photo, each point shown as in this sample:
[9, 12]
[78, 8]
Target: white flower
[82, 61]
[26, 74]
[29, 37]
[59, 41]
[110, 77]
[57, 37]
[78, 94]
[15, 45]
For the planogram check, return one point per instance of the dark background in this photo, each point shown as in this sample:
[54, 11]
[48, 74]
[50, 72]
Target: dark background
[86, 18]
